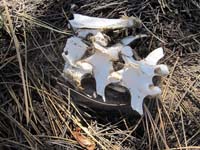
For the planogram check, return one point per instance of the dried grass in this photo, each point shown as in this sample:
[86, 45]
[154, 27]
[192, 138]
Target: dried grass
[37, 109]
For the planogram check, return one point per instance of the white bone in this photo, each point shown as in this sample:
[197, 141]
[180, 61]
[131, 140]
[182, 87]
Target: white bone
[102, 66]
[129, 39]
[127, 51]
[138, 84]
[75, 49]
[161, 70]
[82, 21]
[111, 52]
[101, 39]
[136, 76]
[74, 69]
[155, 56]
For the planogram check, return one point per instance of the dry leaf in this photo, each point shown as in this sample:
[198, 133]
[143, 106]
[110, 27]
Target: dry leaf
[83, 140]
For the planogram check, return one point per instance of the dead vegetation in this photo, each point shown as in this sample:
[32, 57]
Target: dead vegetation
[37, 109]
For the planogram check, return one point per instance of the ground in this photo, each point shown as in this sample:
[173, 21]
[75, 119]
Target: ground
[37, 106]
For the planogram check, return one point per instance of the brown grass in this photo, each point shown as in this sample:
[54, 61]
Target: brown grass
[37, 109]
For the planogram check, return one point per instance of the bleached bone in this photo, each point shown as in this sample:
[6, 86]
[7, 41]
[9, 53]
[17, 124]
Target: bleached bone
[74, 69]
[111, 52]
[77, 72]
[102, 66]
[139, 85]
[102, 61]
[154, 56]
[137, 77]
[82, 21]
[75, 49]
[127, 51]
[161, 70]
[101, 39]
[129, 39]
[151, 60]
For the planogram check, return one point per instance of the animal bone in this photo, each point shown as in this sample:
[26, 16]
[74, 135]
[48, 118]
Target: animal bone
[75, 49]
[136, 76]
[129, 39]
[101, 39]
[102, 66]
[74, 69]
[82, 21]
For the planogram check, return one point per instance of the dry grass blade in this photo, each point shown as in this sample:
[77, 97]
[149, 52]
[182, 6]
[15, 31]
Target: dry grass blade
[17, 46]
[190, 86]
[174, 130]
[155, 128]
[185, 140]
[188, 147]
[31, 20]
[15, 144]
[31, 139]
